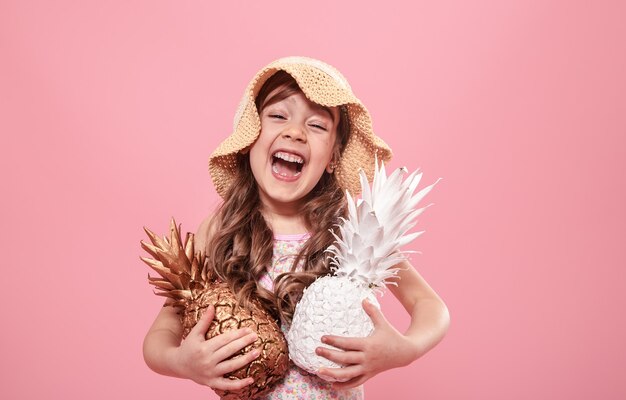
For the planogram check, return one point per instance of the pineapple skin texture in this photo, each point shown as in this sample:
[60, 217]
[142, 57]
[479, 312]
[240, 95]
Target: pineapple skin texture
[187, 281]
[272, 363]
[329, 306]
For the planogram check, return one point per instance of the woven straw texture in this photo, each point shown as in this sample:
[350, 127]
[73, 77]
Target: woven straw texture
[322, 84]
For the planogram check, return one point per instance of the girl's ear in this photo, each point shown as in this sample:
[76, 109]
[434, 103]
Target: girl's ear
[330, 168]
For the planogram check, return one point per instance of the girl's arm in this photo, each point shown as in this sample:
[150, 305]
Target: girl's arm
[203, 361]
[430, 318]
[387, 348]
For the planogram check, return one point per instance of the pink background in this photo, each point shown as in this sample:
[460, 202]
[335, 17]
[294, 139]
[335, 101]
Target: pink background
[109, 110]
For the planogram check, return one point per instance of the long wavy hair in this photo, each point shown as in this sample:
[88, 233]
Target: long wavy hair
[241, 247]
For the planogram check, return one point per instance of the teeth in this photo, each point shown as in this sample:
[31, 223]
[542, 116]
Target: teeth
[289, 157]
[275, 169]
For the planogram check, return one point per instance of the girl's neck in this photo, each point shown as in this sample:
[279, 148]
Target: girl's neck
[284, 223]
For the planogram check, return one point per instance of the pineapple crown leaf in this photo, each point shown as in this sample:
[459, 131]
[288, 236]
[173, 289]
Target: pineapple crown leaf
[367, 247]
[181, 269]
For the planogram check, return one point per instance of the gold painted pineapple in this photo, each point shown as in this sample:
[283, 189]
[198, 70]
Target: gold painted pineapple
[186, 279]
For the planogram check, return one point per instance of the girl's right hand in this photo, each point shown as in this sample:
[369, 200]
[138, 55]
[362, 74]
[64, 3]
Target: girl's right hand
[206, 361]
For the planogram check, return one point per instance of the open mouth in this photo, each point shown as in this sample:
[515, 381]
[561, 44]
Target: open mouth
[287, 165]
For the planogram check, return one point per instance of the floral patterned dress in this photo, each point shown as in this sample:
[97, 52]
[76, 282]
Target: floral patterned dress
[299, 384]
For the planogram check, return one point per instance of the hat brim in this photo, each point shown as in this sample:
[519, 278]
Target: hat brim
[322, 84]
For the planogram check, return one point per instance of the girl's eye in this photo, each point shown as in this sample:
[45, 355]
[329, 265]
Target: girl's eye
[318, 126]
[277, 116]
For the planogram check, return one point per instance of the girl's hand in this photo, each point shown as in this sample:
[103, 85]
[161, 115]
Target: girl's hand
[205, 361]
[365, 357]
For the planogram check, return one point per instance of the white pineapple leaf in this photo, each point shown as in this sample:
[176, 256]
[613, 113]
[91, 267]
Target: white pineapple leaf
[420, 195]
[402, 241]
[366, 194]
[368, 243]
[414, 180]
[351, 206]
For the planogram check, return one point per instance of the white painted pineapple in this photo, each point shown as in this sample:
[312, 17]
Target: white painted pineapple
[364, 257]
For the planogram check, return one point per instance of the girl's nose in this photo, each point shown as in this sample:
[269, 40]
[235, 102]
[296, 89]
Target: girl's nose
[295, 132]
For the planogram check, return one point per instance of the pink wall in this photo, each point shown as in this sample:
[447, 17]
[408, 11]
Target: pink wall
[109, 110]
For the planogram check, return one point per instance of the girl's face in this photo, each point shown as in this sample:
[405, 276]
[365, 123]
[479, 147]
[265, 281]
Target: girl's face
[293, 150]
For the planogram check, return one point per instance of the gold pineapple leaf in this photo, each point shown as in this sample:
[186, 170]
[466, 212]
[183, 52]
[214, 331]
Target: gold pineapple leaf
[189, 251]
[161, 283]
[164, 271]
[157, 241]
[174, 261]
[152, 250]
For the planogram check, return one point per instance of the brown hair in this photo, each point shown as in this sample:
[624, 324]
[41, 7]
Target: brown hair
[242, 251]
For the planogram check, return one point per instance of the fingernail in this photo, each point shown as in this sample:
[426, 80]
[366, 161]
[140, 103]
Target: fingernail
[324, 339]
[247, 331]
[318, 350]
[256, 353]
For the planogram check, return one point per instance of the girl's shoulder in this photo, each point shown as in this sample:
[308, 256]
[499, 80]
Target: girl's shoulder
[204, 232]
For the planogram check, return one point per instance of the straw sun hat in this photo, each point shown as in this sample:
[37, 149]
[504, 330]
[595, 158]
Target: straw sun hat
[322, 84]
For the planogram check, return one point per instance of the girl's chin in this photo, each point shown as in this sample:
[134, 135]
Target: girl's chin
[285, 192]
[282, 199]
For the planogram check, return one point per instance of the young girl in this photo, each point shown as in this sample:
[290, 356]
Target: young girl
[300, 138]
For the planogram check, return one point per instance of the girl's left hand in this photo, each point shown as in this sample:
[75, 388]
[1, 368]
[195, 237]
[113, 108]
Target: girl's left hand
[364, 358]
